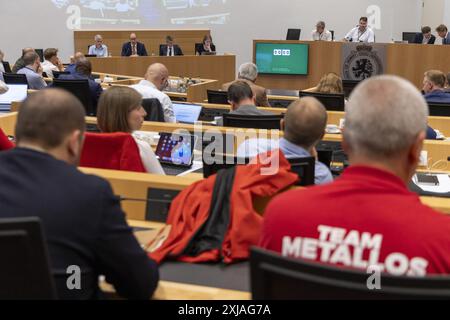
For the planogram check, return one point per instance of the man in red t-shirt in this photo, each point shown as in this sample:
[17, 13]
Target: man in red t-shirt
[368, 217]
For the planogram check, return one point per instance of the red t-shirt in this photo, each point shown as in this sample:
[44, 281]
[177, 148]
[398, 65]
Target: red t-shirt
[365, 218]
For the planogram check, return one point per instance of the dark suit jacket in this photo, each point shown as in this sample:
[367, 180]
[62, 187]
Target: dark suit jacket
[419, 38]
[200, 49]
[140, 48]
[163, 50]
[83, 224]
[259, 92]
[94, 87]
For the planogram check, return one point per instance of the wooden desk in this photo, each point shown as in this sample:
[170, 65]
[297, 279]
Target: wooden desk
[8, 122]
[409, 61]
[115, 39]
[221, 67]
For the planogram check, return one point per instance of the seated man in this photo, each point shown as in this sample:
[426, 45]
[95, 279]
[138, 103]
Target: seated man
[321, 33]
[433, 87]
[51, 62]
[425, 37]
[361, 33]
[156, 80]
[98, 49]
[242, 100]
[133, 48]
[83, 71]
[73, 62]
[82, 219]
[20, 63]
[170, 49]
[447, 88]
[368, 217]
[248, 72]
[304, 126]
[443, 33]
[33, 71]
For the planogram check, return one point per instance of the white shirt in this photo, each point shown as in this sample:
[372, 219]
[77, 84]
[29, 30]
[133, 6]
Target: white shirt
[148, 91]
[48, 68]
[2, 68]
[99, 52]
[170, 51]
[148, 157]
[357, 36]
[324, 36]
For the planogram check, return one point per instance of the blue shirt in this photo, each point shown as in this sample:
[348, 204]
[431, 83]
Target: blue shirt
[71, 68]
[252, 147]
[438, 96]
[99, 52]
[35, 80]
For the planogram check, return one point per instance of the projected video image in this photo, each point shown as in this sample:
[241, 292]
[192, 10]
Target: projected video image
[148, 13]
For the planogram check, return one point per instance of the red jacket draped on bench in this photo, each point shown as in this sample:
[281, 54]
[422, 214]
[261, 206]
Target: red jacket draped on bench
[5, 144]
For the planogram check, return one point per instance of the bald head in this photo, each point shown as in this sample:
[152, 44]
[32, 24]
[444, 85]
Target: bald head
[158, 74]
[79, 56]
[305, 122]
[48, 117]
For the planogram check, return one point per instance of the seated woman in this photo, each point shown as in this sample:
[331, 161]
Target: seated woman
[120, 110]
[207, 45]
[330, 83]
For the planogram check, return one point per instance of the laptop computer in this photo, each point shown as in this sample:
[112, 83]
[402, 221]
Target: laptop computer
[16, 92]
[176, 152]
[186, 113]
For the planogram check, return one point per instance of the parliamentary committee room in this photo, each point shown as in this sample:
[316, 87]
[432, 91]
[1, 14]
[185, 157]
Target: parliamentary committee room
[245, 151]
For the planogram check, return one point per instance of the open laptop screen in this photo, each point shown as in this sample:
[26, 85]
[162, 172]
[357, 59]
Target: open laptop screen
[16, 92]
[186, 113]
[176, 149]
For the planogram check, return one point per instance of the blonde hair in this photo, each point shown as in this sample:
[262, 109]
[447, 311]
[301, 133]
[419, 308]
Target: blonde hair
[114, 106]
[330, 83]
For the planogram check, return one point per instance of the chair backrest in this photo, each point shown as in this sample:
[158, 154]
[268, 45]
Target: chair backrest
[293, 34]
[80, 89]
[217, 97]
[332, 35]
[40, 53]
[439, 109]
[25, 268]
[274, 277]
[5, 144]
[409, 36]
[269, 122]
[14, 78]
[349, 86]
[197, 47]
[113, 151]
[154, 110]
[7, 66]
[56, 74]
[303, 167]
[332, 102]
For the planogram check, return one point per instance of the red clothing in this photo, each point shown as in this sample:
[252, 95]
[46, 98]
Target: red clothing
[5, 144]
[366, 218]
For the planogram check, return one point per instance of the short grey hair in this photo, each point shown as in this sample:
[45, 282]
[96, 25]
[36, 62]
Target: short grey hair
[248, 71]
[320, 24]
[384, 116]
[98, 37]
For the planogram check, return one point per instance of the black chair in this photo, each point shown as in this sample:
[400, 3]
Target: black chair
[217, 97]
[154, 110]
[303, 167]
[25, 269]
[56, 74]
[14, 78]
[40, 53]
[80, 89]
[439, 109]
[332, 102]
[409, 36]
[7, 66]
[332, 35]
[274, 277]
[208, 114]
[293, 34]
[269, 122]
[349, 86]
[197, 47]
[278, 103]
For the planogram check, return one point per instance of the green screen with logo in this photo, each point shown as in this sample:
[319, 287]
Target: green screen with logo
[282, 58]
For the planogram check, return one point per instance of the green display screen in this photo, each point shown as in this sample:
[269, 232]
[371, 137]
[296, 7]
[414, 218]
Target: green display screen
[282, 58]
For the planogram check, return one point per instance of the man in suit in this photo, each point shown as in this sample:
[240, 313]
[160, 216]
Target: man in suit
[133, 48]
[433, 87]
[170, 49]
[83, 71]
[425, 37]
[82, 219]
[248, 72]
[442, 31]
[242, 100]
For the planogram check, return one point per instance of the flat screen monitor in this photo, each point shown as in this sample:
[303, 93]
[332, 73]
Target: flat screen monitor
[282, 58]
[16, 92]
